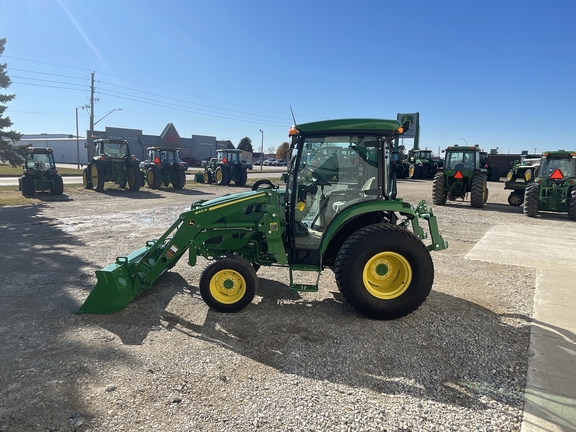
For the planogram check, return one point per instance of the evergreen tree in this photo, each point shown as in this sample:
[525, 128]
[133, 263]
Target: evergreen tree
[14, 155]
[246, 145]
[229, 145]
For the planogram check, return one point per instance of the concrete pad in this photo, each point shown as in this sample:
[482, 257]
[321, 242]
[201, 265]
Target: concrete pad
[550, 394]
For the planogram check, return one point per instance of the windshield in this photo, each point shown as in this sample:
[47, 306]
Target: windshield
[115, 150]
[566, 166]
[333, 173]
[459, 160]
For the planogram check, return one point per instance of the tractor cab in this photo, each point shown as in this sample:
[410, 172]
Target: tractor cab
[40, 160]
[334, 173]
[462, 159]
[229, 156]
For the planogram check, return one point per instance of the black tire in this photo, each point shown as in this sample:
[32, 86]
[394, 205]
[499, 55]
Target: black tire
[27, 186]
[86, 178]
[531, 199]
[228, 284]
[222, 176]
[154, 177]
[262, 184]
[415, 171]
[425, 172]
[58, 186]
[134, 180]
[97, 177]
[180, 180]
[384, 271]
[208, 177]
[439, 192]
[515, 199]
[242, 177]
[572, 205]
[478, 191]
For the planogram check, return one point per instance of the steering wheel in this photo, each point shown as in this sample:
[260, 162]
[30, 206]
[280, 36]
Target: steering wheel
[318, 179]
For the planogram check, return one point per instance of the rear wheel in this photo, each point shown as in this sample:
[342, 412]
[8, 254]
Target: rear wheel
[415, 171]
[531, 199]
[228, 284]
[134, 181]
[86, 179]
[27, 186]
[180, 180]
[242, 177]
[222, 176]
[572, 205]
[97, 177]
[154, 177]
[58, 186]
[384, 271]
[478, 191]
[439, 192]
[515, 198]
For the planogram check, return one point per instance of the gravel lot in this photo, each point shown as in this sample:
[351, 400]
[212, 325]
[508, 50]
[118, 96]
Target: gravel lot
[289, 361]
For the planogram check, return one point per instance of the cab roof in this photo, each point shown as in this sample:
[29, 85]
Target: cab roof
[358, 125]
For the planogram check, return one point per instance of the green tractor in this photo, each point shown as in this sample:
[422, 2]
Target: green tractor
[519, 176]
[492, 170]
[554, 187]
[163, 166]
[358, 227]
[225, 168]
[112, 162]
[461, 175]
[422, 165]
[40, 173]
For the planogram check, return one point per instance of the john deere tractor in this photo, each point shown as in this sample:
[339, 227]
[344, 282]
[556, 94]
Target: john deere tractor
[519, 176]
[461, 175]
[112, 162]
[422, 166]
[163, 167]
[318, 219]
[554, 187]
[40, 173]
[227, 167]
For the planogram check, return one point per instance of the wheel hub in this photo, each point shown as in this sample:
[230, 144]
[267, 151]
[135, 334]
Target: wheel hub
[387, 275]
[227, 286]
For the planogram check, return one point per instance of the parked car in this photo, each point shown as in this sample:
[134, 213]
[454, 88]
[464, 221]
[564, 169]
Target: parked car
[269, 162]
[248, 164]
[257, 163]
[280, 163]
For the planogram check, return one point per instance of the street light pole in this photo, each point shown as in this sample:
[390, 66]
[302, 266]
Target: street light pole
[464, 140]
[262, 151]
[77, 142]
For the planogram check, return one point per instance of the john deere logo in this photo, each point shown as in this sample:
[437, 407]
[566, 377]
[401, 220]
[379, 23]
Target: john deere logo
[192, 223]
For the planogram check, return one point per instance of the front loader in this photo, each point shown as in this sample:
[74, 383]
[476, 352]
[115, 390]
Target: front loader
[321, 218]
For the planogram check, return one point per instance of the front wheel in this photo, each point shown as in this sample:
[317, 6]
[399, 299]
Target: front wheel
[228, 284]
[207, 177]
[384, 271]
[153, 177]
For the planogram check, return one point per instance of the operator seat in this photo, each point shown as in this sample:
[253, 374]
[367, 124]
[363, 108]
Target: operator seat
[338, 205]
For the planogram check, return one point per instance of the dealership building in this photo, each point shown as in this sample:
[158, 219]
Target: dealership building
[72, 150]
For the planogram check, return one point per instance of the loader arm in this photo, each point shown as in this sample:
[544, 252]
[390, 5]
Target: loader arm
[249, 224]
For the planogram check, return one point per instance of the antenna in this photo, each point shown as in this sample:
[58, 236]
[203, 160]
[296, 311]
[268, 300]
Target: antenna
[293, 118]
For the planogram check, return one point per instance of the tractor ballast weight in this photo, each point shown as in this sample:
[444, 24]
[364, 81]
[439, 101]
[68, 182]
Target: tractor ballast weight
[462, 174]
[321, 218]
[163, 166]
[40, 173]
[227, 167]
[554, 185]
[111, 162]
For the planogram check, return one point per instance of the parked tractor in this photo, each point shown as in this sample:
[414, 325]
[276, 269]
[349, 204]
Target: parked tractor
[554, 187]
[225, 168]
[112, 162]
[422, 165]
[40, 173]
[492, 170]
[461, 175]
[317, 219]
[519, 176]
[163, 166]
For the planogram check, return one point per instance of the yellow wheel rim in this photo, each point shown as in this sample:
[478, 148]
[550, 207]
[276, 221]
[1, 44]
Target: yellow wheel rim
[206, 177]
[227, 287]
[411, 170]
[150, 177]
[528, 175]
[509, 176]
[218, 176]
[94, 175]
[387, 275]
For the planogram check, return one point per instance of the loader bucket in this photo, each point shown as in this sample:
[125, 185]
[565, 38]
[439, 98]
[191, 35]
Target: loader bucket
[115, 286]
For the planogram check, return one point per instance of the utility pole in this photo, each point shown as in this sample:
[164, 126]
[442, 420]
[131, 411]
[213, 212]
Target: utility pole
[262, 151]
[91, 108]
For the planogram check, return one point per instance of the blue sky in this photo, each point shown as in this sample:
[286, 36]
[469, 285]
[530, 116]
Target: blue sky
[498, 73]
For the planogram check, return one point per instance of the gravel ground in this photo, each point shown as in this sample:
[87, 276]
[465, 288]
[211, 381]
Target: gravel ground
[289, 361]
